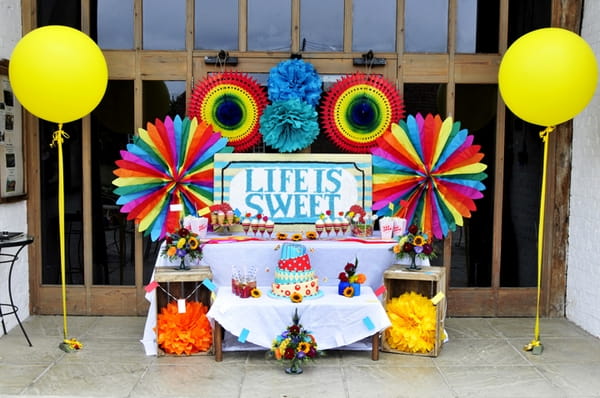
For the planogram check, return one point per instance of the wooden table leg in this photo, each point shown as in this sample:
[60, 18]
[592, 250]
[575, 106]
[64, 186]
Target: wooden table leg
[375, 347]
[218, 342]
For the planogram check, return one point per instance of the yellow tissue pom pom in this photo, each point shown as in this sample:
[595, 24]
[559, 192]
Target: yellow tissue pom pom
[413, 319]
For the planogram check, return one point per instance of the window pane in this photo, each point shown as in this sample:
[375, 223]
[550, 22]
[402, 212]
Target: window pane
[477, 26]
[48, 161]
[112, 129]
[216, 25]
[115, 24]
[426, 26]
[65, 12]
[163, 25]
[162, 98]
[269, 25]
[523, 159]
[322, 25]
[475, 109]
[374, 25]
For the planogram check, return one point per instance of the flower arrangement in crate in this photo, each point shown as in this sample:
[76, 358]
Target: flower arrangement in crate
[414, 244]
[361, 223]
[181, 245]
[296, 345]
[350, 281]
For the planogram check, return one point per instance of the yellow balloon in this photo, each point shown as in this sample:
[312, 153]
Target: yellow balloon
[548, 76]
[58, 73]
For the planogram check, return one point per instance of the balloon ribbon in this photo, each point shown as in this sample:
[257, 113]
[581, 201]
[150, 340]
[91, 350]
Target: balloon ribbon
[58, 137]
[535, 345]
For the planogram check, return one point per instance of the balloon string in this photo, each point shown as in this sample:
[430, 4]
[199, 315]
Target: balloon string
[536, 339]
[58, 138]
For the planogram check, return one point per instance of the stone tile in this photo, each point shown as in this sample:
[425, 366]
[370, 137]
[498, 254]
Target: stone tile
[478, 328]
[273, 382]
[565, 350]
[92, 378]
[14, 350]
[576, 380]
[385, 359]
[525, 327]
[15, 378]
[118, 327]
[390, 381]
[52, 325]
[461, 352]
[499, 381]
[216, 380]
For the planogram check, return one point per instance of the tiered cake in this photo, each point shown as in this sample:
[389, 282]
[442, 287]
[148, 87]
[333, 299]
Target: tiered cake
[294, 273]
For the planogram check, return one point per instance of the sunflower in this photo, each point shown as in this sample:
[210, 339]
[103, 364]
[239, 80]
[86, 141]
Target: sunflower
[349, 291]
[304, 347]
[312, 235]
[296, 237]
[193, 243]
[418, 241]
[296, 297]
[256, 293]
[281, 236]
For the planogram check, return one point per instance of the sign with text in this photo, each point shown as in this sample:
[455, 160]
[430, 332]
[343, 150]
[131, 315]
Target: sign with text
[293, 188]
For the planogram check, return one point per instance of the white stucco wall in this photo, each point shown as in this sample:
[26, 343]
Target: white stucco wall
[13, 216]
[583, 274]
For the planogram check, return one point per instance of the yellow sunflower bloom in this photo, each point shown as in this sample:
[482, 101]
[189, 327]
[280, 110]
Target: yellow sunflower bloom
[281, 236]
[419, 241]
[312, 235]
[349, 292]
[296, 237]
[296, 297]
[304, 347]
[256, 293]
[193, 242]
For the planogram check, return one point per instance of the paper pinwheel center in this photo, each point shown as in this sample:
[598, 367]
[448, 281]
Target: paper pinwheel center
[229, 113]
[363, 113]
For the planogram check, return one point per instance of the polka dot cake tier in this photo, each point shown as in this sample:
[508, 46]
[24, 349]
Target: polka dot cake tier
[294, 274]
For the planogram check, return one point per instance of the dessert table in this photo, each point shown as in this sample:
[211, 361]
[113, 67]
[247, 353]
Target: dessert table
[327, 256]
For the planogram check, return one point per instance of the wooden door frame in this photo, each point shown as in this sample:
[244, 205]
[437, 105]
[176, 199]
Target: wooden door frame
[449, 68]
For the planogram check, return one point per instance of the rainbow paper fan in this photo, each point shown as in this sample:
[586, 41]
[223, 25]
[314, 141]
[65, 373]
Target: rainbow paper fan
[430, 171]
[358, 109]
[232, 102]
[170, 163]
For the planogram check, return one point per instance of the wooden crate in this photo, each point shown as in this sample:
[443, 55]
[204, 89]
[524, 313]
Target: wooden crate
[429, 281]
[175, 284]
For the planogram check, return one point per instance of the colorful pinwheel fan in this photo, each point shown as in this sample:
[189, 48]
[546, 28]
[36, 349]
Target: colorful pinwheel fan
[358, 109]
[430, 171]
[169, 163]
[232, 102]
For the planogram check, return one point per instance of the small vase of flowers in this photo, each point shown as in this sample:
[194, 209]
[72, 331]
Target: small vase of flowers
[350, 281]
[296, 345]
[181, 245]
[414, 244]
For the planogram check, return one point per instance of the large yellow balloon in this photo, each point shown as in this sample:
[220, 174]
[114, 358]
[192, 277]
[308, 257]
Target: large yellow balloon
[58, 73]
[548, 76]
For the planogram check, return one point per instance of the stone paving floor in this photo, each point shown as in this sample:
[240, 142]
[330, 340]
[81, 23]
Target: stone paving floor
[483, 358]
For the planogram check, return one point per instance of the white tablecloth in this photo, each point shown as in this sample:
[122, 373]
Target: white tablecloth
[334, 320]
[327, 257]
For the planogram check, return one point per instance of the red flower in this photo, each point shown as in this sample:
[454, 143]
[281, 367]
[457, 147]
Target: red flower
[343, 277]
[294, 329]
[407, 247]
[183, 232]
[328, 212]
[259, 216]
[169, 240]
[427, 249]
[289, 353]
[413, 229]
